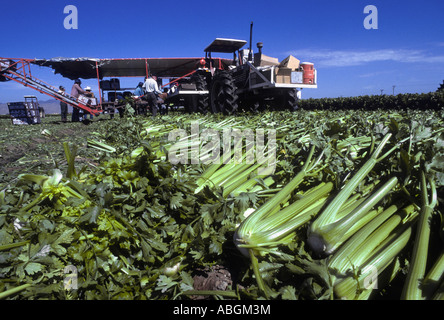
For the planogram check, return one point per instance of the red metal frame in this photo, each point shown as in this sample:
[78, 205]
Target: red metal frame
[176, 79]
[98, 82]
[26, 79]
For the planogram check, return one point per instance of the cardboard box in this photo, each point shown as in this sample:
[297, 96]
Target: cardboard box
[290, 62]
[283, 75]
[261, 60]
[283, 71]
[283, 79]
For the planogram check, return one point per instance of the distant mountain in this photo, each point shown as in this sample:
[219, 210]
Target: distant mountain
[51, 106]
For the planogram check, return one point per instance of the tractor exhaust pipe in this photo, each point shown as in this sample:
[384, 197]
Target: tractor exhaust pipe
[250, 53]
[260, 45]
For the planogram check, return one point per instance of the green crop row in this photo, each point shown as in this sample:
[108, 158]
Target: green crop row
[416, 101]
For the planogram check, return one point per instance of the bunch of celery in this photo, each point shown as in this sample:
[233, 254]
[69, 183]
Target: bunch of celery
[367, 260]
[234, 179]
[56, 188]
[341, 218]
[271, 225]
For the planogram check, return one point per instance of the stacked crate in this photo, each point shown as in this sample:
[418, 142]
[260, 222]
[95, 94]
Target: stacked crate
[24, 112]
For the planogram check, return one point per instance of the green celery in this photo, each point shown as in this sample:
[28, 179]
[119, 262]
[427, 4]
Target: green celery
[383, 256]
[100, 146]
[270, 231]
[13, 245]
[434, 277]
[326, 239]
[328, 216]
[413, 286]
[13, 291]
[251, 223]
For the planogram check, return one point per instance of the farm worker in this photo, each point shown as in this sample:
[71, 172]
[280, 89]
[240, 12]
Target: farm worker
[173, 88]
[137, 95]
[90, 94]
[151, 91]
[76, 91]
[161, 101]
[63, 105]
[139, 91]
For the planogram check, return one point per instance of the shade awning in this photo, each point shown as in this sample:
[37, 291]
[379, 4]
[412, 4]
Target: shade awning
[86, 68]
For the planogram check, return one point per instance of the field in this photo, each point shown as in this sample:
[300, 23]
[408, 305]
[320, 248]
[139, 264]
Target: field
[98, 210]
[27, 149]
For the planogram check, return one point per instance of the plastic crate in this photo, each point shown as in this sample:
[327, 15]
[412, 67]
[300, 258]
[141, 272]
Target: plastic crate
[105, 85]
[24, 113]
[115, 83]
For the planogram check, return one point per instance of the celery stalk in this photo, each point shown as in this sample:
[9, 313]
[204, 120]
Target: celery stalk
[240, 179]
[254, 221]
[413, 286]
[359, 287]
[13, 245]
[248, 226]
[356, 249]
[326, 239]
[434, 277]
[13, 291]
[100, 146]
[269, 231]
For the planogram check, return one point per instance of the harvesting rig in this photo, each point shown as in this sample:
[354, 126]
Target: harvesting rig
[206, 84]
[247, 83]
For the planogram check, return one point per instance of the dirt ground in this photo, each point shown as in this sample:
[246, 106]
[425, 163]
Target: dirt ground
[38, 148]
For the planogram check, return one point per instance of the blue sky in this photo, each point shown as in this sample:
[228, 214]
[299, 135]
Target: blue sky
[406, 51]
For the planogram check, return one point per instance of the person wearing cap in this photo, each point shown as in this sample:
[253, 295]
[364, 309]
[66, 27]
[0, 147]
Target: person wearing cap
[63, 105]
[76, 91]
[90, 94]
[151, 91]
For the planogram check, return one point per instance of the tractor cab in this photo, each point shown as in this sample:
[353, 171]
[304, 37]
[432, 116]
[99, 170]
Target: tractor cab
[222, 45]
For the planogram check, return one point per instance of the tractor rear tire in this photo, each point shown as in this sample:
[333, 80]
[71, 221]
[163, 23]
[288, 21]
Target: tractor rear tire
[223, 97]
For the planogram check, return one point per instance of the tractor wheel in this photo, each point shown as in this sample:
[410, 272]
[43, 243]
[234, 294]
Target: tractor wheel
[290, 100]
[286, 100]
[223, 97]
[201, 101]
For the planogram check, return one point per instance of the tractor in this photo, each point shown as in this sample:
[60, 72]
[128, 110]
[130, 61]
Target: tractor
[251, 82]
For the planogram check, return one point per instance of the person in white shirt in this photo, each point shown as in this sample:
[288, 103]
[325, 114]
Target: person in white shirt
[151, 91]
